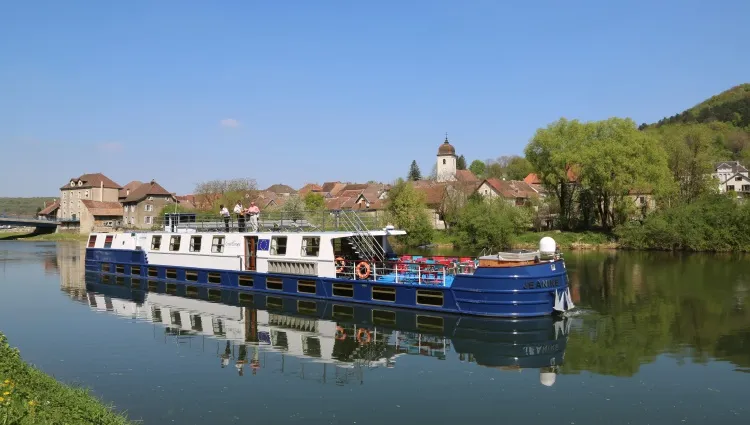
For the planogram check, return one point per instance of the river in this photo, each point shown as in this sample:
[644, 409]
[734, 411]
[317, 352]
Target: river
[657, 338]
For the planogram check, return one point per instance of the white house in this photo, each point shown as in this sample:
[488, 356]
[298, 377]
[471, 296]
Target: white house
[732, 177]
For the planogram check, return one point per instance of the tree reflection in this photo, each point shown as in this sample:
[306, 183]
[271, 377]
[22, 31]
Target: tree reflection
[647, 304]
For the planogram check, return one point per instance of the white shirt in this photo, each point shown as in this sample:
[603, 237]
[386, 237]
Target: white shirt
[237, 209]
[225, 212]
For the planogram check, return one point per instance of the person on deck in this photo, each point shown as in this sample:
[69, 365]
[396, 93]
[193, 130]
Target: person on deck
[240, 216]
[225, 213]
[253, 211]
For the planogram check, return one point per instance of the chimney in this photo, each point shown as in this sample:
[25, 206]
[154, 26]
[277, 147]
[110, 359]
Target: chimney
[101, 191]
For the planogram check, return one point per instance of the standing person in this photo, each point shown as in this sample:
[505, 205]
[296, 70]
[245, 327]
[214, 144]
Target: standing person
[253, 211]
[240, 216]
[224, 213]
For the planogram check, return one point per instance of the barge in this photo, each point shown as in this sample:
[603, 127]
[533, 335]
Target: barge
[346, 262]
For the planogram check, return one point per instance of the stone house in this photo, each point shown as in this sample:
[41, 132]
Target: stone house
[144, 203]
[50, 212]
[732, 177]
[516, 193]
[88, 187]
[100, 216]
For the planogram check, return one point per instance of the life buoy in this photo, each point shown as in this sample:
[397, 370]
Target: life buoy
[363, 274]
[340, 264]
[340, 334]
[367, 338]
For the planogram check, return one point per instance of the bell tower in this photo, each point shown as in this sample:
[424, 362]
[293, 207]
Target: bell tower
[446, 162]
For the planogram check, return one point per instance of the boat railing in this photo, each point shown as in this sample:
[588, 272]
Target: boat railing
[406, 272]
[269, 221]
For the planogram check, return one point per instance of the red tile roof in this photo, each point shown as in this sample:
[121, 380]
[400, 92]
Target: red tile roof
[308, 188]
[281, 189]
[130, 187]
[466, 176]
[147, 189]
[90, 181]
[105, 209]
[512, 189]
[49, 209]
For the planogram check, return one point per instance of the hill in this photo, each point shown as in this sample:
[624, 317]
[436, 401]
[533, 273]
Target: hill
[23, 206]
[731, 106]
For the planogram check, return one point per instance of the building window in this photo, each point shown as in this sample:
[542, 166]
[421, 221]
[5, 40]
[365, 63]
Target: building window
[86, 195]
[217, 245]
[174, 243]
[147, 219]
[149, 207]
[278, 245]
[79, 195]
[155, 242]
[125, 210]
[195, 243]
[730, 187]
[443, 161]
[310, 246]
[738, 179]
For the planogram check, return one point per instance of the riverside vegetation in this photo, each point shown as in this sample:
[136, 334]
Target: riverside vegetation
[28, 396]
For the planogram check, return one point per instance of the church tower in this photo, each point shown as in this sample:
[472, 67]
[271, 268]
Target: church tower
[446, 162]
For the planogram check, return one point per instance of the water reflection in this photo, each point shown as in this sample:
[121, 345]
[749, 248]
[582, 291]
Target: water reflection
[338, 343]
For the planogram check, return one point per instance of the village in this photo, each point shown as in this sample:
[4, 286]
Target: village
[93, 202]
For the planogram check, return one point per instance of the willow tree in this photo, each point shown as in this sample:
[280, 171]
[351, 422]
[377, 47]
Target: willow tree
[553, 153]
[616, 158]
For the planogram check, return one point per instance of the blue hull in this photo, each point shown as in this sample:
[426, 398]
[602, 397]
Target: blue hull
[526, 291]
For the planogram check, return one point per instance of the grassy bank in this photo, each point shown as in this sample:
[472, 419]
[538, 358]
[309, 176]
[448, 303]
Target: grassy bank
[29, 396]
[530, 240]
[52, 237]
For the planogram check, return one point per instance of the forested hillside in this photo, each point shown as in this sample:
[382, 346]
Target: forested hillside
[23, 206]
[731, 106]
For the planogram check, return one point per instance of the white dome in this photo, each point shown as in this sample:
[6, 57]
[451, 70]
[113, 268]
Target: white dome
[547, 246]
[547, 378]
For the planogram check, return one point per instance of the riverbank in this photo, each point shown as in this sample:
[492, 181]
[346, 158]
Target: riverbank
[49, 237]
[29, 396]
[530, 240]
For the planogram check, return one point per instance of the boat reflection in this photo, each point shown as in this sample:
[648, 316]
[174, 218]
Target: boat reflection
[349, 338]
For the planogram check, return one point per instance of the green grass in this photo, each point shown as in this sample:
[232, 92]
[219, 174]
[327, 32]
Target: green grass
[35, 237]
[568, 240]
[29, 396]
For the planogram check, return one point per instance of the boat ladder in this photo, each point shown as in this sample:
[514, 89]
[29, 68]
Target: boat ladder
[362, 242]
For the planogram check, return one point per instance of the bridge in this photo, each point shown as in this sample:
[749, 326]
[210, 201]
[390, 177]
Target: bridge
[42, 224]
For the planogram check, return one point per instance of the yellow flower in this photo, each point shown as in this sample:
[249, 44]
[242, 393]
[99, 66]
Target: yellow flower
[7, 381]
[32, 403]
[6, 393]
[2, 399]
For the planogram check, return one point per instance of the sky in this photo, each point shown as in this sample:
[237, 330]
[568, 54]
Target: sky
[298, 91]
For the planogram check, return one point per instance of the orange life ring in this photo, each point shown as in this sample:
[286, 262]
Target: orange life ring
[366, 333]
[363, 274]
[340, 334]
[341, 263]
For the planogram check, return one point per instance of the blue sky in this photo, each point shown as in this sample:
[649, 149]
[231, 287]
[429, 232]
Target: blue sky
[300, 91]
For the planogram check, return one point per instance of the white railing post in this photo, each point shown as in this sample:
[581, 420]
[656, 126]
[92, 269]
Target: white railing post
[419, 274]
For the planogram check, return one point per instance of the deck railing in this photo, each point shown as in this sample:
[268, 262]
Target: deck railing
[272, 221]
[406, 272]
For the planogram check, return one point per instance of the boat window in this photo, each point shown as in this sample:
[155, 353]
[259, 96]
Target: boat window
[174, 243]
[195, 243]
[310, 246]
[155, 242]
[108, 241]
[278, 245]
[92, 241]
[218, 244]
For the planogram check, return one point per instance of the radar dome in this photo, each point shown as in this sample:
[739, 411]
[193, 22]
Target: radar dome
[547, 246]
[547, 378]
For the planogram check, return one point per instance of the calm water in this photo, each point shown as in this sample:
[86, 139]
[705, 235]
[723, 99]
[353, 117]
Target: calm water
[657, 339]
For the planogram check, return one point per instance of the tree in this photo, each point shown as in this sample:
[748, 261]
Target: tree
[477, 167]
[552, 152]
[210, 194]
[314, 202]
[614, 158]
[414, 173]
[489, 224]
[293, 208]
[407, 210]
[517, 168]
[461, 163]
